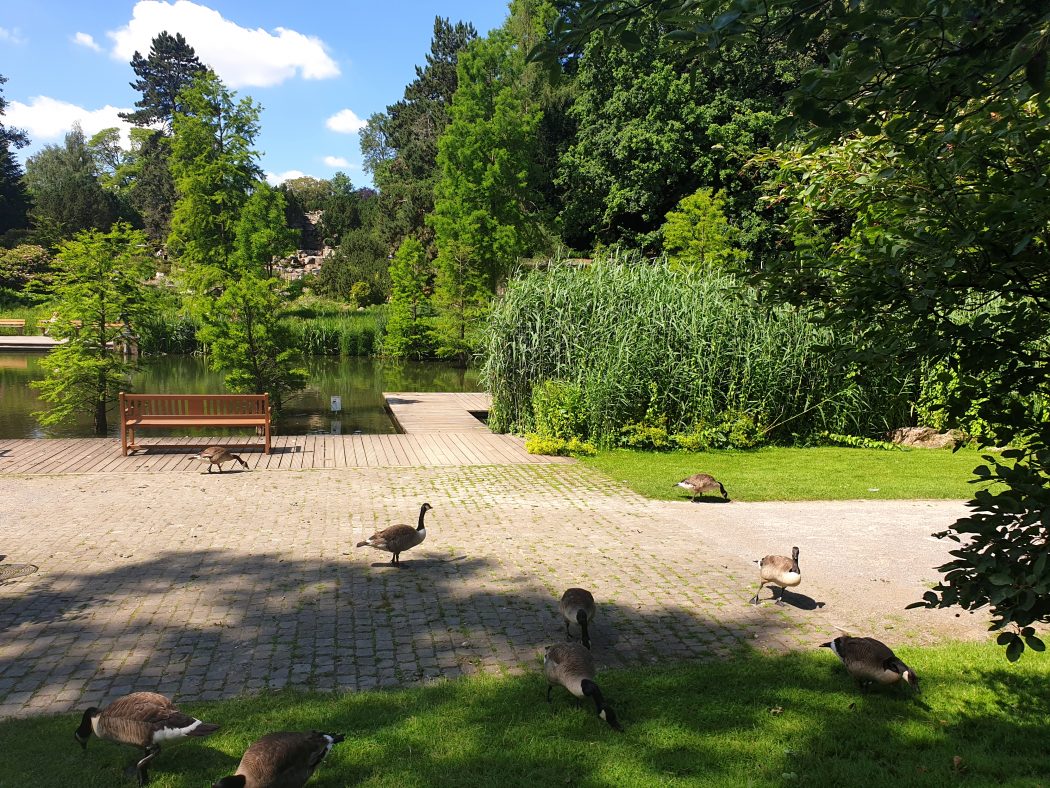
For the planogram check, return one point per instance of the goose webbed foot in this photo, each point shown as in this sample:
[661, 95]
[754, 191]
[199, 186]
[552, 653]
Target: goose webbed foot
[754, 599]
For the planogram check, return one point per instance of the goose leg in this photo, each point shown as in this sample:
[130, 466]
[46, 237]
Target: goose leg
[549, 688]
[568, 634]
[754, 599]
[151, 753]
[393, 558]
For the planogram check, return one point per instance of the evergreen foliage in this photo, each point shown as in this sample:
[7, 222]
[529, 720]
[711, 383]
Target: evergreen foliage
[697, 233]
[249, 342]
[261, 235]
[408, 330]
[98, 296]
[14, 200]
[170, 68]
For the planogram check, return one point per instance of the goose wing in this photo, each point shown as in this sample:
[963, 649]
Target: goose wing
[286, 758]
[395, 538]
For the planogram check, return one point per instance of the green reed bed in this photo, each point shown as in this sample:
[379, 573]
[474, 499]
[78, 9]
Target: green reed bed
[643, 341]
[350, 334]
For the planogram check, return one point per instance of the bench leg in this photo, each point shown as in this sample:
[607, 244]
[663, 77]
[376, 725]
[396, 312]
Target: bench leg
[267, 449]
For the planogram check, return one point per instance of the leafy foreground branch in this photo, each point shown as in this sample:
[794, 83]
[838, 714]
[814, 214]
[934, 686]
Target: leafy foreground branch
[756, 720]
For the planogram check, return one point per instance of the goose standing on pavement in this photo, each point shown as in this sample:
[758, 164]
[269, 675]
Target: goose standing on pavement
[700, 483]
[778, 570]
[868, 660]
[217, 455]
[398, 538]
[572, 666]
[141, 719]
[577, 607]
[281, 760]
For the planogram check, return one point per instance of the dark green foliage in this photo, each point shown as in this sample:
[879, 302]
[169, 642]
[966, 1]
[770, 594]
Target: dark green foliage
[650, 131]
[669, 353]
[214, 167]
[408, 331]
[342, 210]
[21, 265]
[14, 200]
[63, 183]
[261, 235]
[152, 187]
[171, 67]
[400, 145]
[357, 271]
[97, 280]
[248, 341]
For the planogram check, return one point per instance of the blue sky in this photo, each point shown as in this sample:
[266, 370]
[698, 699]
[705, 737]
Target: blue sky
[319, 69]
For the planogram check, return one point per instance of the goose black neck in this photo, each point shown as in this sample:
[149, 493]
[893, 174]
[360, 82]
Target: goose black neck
[422, 514]
[590, 689]
[237, 781]
[83, 733]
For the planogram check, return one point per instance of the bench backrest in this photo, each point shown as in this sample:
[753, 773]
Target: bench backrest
[136, 405]
[9, 322]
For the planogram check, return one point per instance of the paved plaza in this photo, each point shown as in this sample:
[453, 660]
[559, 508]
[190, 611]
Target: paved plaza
[208, 586]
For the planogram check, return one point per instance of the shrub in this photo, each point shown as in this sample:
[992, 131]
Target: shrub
[541, 444]
[558, 409]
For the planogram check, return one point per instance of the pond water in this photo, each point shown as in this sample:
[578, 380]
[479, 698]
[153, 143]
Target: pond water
[360, 382]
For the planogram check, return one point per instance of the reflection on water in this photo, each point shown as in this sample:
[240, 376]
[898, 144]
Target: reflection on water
[360, 382]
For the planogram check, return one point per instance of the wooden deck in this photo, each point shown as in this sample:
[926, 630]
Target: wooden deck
[417, 412]
[459, 442]
[10, 342]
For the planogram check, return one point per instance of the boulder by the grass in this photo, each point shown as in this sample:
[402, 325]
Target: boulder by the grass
[925, 437]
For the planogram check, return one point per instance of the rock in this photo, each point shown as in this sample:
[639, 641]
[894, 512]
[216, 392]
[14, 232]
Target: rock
[925, 437]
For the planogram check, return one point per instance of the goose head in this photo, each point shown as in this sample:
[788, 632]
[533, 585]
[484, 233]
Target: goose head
[913, 681]
[83, 733]
[422, 513]
[607, 714]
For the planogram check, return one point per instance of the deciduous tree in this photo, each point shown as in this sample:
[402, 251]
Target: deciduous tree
[408, 316]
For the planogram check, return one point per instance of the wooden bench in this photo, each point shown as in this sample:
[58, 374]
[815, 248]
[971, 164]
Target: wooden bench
[168, 411]
[11, 322]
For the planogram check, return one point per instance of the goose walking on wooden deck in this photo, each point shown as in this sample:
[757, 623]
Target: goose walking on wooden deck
[398, 538]
[141, 719]
[281, 760]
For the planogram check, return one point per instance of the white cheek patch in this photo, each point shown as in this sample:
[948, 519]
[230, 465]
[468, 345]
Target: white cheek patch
[602, 714]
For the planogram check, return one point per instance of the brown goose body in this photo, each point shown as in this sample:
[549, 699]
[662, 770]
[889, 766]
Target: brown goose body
[398, 538]
[217, 455]
[571, 665]
[284, 759]
[141, 719]
[700, 483]
[778, 570]
[869, 660]
[577, 607]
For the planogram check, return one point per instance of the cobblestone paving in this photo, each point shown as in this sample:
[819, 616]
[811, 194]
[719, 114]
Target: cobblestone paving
[203, 587]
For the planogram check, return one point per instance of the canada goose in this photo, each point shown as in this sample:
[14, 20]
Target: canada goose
[281, 760]
[781, 571]
[700, 483]
[141, 719]
[571, 666]
[868, 660]
[577, 607]
[398, 538]
[217, 455]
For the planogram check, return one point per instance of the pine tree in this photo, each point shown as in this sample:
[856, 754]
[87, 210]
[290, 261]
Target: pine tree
[171, 67]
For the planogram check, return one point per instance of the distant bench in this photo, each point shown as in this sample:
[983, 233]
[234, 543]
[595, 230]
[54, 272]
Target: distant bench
[166, 411]
[17, 323]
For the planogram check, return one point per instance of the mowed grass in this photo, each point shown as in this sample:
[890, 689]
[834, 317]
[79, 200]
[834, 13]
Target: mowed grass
[788, 474]
[758, 720]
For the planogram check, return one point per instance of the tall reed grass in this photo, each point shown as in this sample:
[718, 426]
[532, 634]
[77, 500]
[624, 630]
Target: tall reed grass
[351, 334]
[640, 338]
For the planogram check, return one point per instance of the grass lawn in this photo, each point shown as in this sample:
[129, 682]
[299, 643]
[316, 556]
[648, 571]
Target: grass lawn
[757, 720]
[787, 474]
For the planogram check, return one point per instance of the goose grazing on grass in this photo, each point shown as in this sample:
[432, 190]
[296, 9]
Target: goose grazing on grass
[217, 455]
[572, 666]
[700, 483]
[781, 571]
[868, 660]
[281, 760]
[398, 538]
[577, 607]
[141, 719]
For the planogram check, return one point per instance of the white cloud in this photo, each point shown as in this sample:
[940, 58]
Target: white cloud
[277, 178]
[336, 161]
[85, 40]
[345, 122]
[47, 119]
[12, 36]
[239, 55]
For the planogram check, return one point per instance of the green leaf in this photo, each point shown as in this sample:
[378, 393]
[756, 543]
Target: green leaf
[1015, 649]
[1035, 643]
